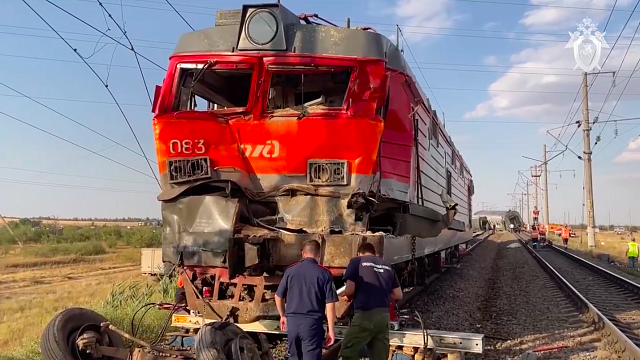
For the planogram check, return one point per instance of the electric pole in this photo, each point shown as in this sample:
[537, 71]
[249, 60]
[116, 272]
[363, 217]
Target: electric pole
[528, 208]
[545, 186]
[586, 139]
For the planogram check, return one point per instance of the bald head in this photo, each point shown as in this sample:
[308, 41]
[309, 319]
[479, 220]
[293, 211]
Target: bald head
[311, 249]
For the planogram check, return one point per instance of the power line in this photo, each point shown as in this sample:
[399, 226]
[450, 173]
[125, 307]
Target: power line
[623, 89]
[181, 17]
[73, 175]
[70, 119]
[74, 144]
[94, 28]
[421, 73]
[70, 186]
[135, 53]
[103, 83]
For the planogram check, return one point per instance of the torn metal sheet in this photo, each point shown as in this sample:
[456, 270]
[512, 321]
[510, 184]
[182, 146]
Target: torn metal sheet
[199, 228]
[315, 213]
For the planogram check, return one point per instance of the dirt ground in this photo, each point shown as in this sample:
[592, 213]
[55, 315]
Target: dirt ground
[32, 290]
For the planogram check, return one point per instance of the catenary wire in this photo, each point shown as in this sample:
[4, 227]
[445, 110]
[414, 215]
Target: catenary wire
[135, 53]
[71, 119]
[105, 86]
[181, 17]
[74, 187]
[73, 175]
[569, 119]
[421, 73]
[98, 30]
[74, 144]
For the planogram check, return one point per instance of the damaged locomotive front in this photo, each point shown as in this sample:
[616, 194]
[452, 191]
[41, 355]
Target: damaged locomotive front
[269, 136]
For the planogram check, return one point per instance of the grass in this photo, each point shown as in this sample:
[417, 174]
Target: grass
[28, 316]
[41, 280]
[607, 243]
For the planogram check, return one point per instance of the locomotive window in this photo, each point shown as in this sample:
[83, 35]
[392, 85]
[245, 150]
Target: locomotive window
[214, 89]
[317, 89]
[449, 182]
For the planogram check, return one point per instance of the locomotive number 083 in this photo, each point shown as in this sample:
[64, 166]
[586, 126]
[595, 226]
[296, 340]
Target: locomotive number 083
[187, 147]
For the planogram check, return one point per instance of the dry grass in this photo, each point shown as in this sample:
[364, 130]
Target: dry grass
[33, 289]
[607, 243]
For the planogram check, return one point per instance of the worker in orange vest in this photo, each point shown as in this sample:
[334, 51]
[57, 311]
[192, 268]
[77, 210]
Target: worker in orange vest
[565, 235]
[534, 234]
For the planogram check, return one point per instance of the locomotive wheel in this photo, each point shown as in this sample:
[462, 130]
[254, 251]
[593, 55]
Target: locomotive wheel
[225, 341]
[58, 341]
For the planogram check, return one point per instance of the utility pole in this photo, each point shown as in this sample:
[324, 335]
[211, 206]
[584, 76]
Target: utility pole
[588, 181]
[545, 186]
[528, 208]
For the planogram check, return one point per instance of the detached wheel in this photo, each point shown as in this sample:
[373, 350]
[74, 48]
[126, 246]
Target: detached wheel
[225, 341]
[58, 341]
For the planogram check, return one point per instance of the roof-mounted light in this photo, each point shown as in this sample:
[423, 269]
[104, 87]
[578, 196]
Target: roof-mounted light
[262, 27]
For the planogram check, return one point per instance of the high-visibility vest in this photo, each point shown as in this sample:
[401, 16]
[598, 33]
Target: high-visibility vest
[633, 249]
[534, 234]
[565, 233]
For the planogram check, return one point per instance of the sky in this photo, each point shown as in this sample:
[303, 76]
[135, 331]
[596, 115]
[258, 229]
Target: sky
[499, 72]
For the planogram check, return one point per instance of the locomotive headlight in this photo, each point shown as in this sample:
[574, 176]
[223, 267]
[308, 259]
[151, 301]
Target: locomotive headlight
[262, 27]
[327, 172]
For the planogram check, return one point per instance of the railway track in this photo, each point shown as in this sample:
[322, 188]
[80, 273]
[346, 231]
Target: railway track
[611, 301]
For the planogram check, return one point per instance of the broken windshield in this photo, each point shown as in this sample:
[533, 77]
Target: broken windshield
[324, 88]
[216, 88]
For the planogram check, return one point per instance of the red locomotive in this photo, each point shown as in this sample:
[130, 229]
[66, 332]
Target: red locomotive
[272, 130]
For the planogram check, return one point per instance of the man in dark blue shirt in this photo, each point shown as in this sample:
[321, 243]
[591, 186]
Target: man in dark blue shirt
[308, 289]
[371, 283]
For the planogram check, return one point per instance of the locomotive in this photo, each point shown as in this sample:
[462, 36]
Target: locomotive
[272, 129]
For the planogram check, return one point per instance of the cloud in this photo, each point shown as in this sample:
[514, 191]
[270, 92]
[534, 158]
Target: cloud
[432, 15]
[631, 153]
[542, 85]
[566, 18]
[489, 25]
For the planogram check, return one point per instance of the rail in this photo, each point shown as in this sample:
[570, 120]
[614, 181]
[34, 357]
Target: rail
[622, 343]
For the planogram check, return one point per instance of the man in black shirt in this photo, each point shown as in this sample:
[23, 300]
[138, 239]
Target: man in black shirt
[371, 283]
[308, 290]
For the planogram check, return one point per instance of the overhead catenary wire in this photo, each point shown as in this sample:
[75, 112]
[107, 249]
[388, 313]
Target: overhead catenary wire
[94, 28]
[623, 89]
[421, 73]
[74, 187]
[135, 53]
[74, 144]
[73, 175]
[103, 83]
[71, 119]
[181, 17]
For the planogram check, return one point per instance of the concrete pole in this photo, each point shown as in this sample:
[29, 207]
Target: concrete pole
[546, 186]
[586, 139]
[528, 208]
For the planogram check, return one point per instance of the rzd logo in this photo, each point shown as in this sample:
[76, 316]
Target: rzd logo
[270, 150]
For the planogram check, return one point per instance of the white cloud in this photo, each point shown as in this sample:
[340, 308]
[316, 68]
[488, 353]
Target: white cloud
[566, 18]
[631, 154]
[431, 14]
[547, 94]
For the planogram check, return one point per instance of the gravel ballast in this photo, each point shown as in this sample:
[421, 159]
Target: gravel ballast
[503, 293]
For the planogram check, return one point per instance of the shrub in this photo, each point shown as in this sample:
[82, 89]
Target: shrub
[92, 248]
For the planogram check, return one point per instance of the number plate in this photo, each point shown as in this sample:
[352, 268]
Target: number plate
[181, 170]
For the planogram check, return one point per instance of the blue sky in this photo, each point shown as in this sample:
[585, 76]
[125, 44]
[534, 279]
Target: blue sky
[489, 66]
